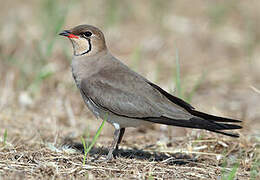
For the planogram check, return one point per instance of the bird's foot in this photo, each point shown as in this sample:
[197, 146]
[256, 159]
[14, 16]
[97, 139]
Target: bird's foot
[108, 158]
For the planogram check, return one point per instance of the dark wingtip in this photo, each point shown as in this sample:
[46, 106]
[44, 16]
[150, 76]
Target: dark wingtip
[212, 117]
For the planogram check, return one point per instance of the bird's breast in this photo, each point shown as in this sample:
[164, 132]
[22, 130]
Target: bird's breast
[76, 78]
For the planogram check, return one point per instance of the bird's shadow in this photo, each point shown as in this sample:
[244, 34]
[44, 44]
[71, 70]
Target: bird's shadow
[171, 159]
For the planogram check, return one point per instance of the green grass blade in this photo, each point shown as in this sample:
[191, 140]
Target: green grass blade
[5, 137]
[87, 149]
[178, 77]
[136, 57]
[195, 87]
[232, 174]
[255, 170]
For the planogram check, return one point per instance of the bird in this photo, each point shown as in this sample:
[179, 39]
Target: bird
[112, 91]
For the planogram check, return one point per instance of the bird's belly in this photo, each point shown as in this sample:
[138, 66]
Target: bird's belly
[92, 107]
[124, 121]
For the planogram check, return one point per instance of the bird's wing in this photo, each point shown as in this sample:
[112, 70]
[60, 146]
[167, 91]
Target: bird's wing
[124, 92]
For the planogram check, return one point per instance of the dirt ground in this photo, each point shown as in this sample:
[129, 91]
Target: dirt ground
[42, 115]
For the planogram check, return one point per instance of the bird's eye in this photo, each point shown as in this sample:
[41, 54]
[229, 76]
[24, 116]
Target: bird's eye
[87, 33]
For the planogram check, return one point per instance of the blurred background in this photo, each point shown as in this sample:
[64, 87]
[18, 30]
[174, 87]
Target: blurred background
[205, 52]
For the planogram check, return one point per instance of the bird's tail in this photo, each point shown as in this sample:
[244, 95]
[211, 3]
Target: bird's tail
[202, 121]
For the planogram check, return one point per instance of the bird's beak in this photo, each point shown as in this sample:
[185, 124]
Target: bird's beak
[68, 34]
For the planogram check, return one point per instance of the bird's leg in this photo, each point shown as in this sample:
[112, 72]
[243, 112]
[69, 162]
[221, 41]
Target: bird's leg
[115, 142]
[122, 131]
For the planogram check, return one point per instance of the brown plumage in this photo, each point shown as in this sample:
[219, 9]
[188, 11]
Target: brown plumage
[111, 90]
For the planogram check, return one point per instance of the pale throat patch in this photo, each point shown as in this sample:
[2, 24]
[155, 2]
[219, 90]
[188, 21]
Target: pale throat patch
[81, 46]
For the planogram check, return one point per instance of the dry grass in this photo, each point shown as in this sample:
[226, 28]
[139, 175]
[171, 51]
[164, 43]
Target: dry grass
[42, 115]
[184, 159]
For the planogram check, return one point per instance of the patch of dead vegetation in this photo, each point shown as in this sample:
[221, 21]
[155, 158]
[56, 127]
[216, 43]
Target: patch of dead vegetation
[210, 157]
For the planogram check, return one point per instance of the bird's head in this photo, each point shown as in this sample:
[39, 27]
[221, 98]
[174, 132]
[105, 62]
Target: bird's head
[86, 40]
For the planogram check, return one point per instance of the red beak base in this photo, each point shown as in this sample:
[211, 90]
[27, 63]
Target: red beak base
[68, 34]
